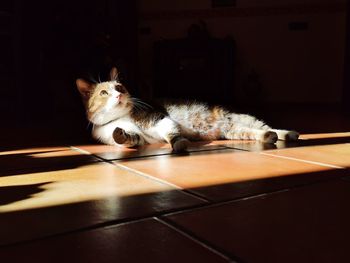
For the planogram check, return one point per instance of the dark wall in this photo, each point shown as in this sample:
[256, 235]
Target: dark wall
[295, 47]
[346, 90]
[54, 42]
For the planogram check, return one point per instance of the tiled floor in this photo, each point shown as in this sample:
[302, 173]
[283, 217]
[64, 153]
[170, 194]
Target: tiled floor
[223, 201]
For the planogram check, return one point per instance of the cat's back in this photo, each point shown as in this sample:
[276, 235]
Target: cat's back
[192, 113]
[181, 110]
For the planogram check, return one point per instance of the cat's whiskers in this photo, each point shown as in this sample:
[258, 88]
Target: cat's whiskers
[135, 104]
[89, 123]
[138, 107]
[145, 104]
[141, 103]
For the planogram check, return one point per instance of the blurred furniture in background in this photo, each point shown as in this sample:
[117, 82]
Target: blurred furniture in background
[197, 67]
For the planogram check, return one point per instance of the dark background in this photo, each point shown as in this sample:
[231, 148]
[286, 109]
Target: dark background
[46, 45]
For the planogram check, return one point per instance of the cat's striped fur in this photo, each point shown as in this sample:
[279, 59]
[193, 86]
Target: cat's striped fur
[120, 119]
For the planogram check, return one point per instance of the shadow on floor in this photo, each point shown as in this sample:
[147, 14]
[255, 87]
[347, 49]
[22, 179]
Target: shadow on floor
[11, 194]
[25, 163]
[22, 225]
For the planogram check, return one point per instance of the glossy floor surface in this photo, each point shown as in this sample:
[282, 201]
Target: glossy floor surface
[223, 201]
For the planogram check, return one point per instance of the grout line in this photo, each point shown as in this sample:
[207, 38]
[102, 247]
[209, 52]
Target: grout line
[147, 175]
[88, 153]
[202, 243]
[304, 161]
[79, 150]
[214, 203]
[103, 225]
[198, 196]
[239, 149]
[93, 227]
[218, 148]
[150, 177]
[185, 191]
[168, 154]
[170, 212]
[109, 226]
[222, 203]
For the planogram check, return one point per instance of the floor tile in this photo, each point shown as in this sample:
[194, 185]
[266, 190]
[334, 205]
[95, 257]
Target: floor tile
[253, 146]
[333, 155]
[108, 152]
[307, 224]
[41, 160]
[39, 204]
[209, 173]
[143, 241]
[304, 140]
[318, 139]
[325, 135]
[244, 189]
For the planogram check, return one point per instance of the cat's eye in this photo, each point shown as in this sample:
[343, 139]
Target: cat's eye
[103, 93]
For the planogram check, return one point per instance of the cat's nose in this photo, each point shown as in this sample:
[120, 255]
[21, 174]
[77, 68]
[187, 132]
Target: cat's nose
[118, 96]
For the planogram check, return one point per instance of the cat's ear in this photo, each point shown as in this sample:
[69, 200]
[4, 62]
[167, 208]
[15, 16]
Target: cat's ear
[113, 74]
[84, 87]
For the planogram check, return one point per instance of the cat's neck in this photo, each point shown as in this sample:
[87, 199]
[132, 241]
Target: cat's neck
[104, 118]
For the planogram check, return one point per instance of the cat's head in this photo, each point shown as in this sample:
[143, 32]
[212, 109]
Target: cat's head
[105, 101]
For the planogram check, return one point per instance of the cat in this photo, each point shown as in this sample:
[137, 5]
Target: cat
[119, 119]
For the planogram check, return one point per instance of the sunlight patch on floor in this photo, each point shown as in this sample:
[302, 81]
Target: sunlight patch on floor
[33, 151]
[324, 135]
[86, 183]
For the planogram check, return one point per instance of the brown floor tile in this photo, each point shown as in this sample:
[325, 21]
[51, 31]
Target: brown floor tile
[209, 173]
[308, 224]
[325, 135]
[108, 152]
[333, 155]
[237, 190]
[143, 241]
[253, 146]
[38, 150]
[346, 178]
[41, 160]
[39, 204]
[305, 140]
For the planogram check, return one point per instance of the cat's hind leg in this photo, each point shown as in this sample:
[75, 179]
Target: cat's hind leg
[245, 133]
[127, 139]
[286, 135]
[170, 131]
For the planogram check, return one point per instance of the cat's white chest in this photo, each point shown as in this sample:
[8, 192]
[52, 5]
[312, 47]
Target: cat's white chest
[104, 133]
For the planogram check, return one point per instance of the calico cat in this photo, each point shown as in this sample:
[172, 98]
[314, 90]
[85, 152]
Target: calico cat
[119, 119]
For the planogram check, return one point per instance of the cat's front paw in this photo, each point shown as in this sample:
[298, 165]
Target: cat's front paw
[180, 145]
[119, 136]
